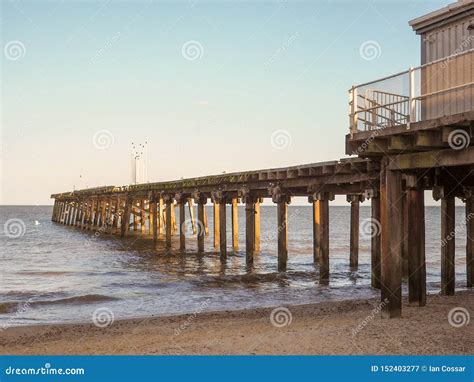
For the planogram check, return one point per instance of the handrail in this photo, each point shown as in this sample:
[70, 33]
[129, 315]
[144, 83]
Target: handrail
[415, 68]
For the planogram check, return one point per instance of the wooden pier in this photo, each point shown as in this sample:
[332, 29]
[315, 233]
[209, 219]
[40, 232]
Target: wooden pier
[402, 144]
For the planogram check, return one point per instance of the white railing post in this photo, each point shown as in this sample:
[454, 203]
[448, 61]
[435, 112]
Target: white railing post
[411, 99]
[353, 110]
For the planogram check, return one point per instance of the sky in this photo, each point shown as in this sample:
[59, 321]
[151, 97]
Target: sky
[211, 86]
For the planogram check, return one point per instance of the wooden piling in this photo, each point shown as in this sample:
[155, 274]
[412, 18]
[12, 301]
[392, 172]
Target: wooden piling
[447, 244]
[249, 230]
[143, 217]
[354, 200]
[182, 225]
[191, 215]
[324, 243]
[392, 236]
[222, 229]
[257, 225]
[161, 222]
[95, 221]
[375, 249]
[201, 200]
[282, 218]
[215, 212]
[415, 237]
[235, 224]
[169, 224]
[469, 240]
[316, 230]
[154, 219]
[125, 223]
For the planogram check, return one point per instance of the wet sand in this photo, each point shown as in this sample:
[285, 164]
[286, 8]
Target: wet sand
[347, 327]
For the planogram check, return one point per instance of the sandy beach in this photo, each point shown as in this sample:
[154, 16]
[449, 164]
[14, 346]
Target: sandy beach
[347, 327]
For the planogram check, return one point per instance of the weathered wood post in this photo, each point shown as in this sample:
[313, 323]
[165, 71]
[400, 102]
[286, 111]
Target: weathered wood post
[168, 200]
[281, 198]
[235, 224]
[257, 224]
[447, 239]
[323, 198]
[79, 213]
[70, 213]
[103, 213]
[316, 229]
[220, 199]
[249, 200]
[154, 217]
[201, 200]
[125, 223]
[95, 221]
[392, 237]
[55, 206]
[375, 235]
[60, 213]
[216, 225]
[161, 222]
[354, 200]
[116, 215]
[415, 237]
[469, 201]
[181, 200]
[191, 215]
[143, 216]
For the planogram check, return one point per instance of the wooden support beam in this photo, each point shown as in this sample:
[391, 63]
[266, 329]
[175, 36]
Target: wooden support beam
[154, 219]
[116, 215]
[281, 197]
[249, 230]
[375, 249]
[391, 259]
[96, 211]
[324, 236]
[168, 199]
[415, 207]
[235, 224]
[143, 217]
[354, 231]
[182, 224]
[161, 219]
[191, 215]
[316, 231]
[55, 205]
[447, 244]
[125, 222]
[103, 214]
[205, 223]
[173, 218]
[469, 240]
[257, 225]
[215, 214]
[223, 229]
[201, 200]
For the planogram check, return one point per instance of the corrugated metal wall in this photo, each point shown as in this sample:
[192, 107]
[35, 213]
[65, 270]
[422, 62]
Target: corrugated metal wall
[448, 40]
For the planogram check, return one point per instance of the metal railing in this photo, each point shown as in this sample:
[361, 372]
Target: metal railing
[439, 88]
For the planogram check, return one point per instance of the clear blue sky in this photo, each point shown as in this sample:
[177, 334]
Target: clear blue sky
[86, 66]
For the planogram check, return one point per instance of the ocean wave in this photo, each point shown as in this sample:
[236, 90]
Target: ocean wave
[11, 306]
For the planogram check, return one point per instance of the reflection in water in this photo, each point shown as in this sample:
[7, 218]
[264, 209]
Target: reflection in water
[64, 274]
